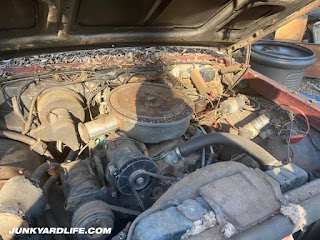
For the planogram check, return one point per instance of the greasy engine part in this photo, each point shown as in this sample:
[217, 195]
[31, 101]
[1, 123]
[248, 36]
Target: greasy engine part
[233, 104]
[231, 69]
[255, 192]
[231, 75]
[128, 169]
[93, 214]
[253, 128]
[200, 105]
[59, 110]
[204, 212]
[197, 143]
[199, 82]
[16, 161]
[157, 152]
[246, 160]
[37, 146]
[79, 183]
[21, 205]
[181, 168]
[174, 221]
[84, 197]
[207, 82]
[289, 176]
[148, 113]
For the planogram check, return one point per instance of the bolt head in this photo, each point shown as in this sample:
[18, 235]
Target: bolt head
[122, 235]
[140, 181]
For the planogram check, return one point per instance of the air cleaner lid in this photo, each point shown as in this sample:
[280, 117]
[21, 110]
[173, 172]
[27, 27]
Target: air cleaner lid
[154, 103]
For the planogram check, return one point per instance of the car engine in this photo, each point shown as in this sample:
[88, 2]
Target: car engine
[155, 151]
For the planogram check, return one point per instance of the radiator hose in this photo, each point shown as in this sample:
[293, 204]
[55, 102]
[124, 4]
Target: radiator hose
[38, 146]
[197, 143]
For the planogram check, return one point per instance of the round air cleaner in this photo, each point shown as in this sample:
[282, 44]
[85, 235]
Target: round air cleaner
[149, 113]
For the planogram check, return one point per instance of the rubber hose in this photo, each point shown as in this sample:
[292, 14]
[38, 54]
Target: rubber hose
[42, 169]
[71, 156]
[38, 146]
[38, 173]
[251, 108]
[49, 216]
[48, 184]
[280, 226]
[260, 154]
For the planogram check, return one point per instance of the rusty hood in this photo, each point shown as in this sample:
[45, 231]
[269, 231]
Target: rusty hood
[44, 25]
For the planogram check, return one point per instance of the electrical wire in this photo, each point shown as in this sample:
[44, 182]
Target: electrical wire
[289, 141]
[212, 153]
[307, 122]
[251, 108]
[48, 77]
[296, 138]
[83, 148]
[32, 106]
[134, 74]
[93, 94]
[292, 152]
[309, 135]
[231, 125]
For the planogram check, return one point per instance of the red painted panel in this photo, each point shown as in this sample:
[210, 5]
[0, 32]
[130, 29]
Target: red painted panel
[281, 95]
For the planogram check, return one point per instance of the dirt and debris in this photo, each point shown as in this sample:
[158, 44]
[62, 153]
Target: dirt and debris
[295, 213]
[310, 86]
[207, 221]
[228, 230]
[132, 56]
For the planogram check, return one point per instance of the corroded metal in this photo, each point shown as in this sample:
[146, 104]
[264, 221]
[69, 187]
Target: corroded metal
[199, 82]
[100, 126]
[57, 111]
[149, 113]
[283, 96]
[61, 97]
[152, 103]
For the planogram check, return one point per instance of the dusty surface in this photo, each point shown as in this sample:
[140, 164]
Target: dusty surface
[201, 225]
[295, 213]
[228, 230]
[310, 86]
[131, 56]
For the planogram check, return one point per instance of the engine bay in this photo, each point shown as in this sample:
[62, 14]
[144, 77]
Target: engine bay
[177, 147]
